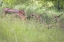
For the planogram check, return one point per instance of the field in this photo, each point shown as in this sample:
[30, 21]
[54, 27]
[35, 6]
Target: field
[16, 30]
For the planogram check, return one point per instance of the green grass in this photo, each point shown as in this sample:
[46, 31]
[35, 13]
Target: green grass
[15, 30]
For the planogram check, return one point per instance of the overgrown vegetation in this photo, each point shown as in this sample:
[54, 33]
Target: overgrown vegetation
[32, 30]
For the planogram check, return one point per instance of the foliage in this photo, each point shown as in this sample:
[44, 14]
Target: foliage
[16, 30]
[58, 4]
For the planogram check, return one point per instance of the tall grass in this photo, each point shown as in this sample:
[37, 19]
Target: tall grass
[16, 30]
